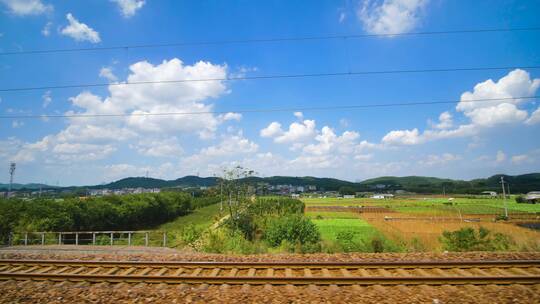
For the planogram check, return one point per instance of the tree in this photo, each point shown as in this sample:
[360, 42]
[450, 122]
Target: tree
[234, 189]
[347, 190]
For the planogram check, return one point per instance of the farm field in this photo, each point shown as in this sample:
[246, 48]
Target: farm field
[427, 232]
[417, 224]
[330, 224]
[432, 206]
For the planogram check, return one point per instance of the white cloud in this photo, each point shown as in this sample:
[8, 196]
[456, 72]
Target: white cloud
[390, 16]
[128, 8]
[482, 115]
[17, 124]
[328, 142]
[500, 157]
[46, 31]
[445, 121]
[107, 73]
[99, 137]
[403, 137]
[299, 115]
[27, 7]
[437, 160]
[518, 159]
[230, 116]
[168, 147]
[515, 84]
[80, 31]
[297, 132]
[47, 99]
[535, 117]
[273, 129]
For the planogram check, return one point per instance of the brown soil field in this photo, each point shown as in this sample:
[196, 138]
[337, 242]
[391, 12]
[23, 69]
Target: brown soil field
[429, 230]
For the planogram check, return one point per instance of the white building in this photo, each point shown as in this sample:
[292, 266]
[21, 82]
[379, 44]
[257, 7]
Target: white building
[382, 196]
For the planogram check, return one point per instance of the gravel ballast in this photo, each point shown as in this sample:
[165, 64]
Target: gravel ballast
[72, 292]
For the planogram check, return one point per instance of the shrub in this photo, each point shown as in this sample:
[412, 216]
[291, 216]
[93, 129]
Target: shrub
[243, 223]
[190, 234]
[467, 239]
[276, 206]
[345, 241]
[520, 199]
[294, 229]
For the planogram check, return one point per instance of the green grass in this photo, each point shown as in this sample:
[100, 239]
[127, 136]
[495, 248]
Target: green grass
[434, 206]
[330, 214]
[202, 218]
[329, 228]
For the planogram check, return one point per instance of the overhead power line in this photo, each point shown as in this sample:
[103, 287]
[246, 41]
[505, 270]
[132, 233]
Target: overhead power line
[267, 40]
[279, 76]
[271, 110]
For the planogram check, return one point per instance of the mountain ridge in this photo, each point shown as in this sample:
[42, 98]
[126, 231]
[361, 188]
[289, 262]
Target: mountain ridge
[422, 184]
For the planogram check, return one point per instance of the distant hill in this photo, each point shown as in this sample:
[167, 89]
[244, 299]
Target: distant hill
[419, 184]
[32, 186]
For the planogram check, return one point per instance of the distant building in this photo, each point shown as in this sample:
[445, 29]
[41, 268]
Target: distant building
[491, 194]
[348, 196]
[382, 196]
[533, 197]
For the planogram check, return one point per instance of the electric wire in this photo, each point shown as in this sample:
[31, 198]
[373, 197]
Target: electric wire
[267, 40]
[270, 110]
[264, 77]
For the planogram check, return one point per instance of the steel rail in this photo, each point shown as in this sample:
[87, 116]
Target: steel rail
[300, 280]
[231, 264]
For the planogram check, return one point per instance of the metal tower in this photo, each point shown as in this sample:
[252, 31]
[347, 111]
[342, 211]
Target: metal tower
[12, 167]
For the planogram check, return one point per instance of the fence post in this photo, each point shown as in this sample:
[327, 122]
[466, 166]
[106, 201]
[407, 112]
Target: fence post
[112, 236]
[42, 238]
[146, 239]
[59, 238]
[129, 238]
[164, 238]
[93, 238]
[76, 238]
[25, 238]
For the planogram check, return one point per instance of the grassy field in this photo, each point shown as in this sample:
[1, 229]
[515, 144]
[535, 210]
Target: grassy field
[201, 218]
[431, 206]
[330, 224]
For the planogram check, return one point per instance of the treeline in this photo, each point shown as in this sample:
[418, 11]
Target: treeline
[127, 212]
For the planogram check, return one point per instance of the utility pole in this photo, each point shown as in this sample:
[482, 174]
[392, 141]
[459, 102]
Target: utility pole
[504, 198]
[12, 167]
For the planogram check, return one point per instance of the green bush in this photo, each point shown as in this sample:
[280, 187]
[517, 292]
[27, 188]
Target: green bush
[294, 229]
[244, 223]
[520, 199]
[276, 206]
[377, 244]
[467, 239]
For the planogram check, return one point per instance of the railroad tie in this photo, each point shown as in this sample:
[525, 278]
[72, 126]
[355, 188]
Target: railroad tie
[345, 272]
[326, 273]
[289, 274]
[269, 274]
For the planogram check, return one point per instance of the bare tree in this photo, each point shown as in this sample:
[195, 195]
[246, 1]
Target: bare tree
[235, 189]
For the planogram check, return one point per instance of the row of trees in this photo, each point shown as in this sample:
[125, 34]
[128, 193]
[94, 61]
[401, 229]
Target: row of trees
[128, 212]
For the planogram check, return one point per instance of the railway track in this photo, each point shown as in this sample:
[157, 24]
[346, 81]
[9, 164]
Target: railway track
[279, 273]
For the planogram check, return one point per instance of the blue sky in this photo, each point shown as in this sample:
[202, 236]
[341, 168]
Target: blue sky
[462, 140]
